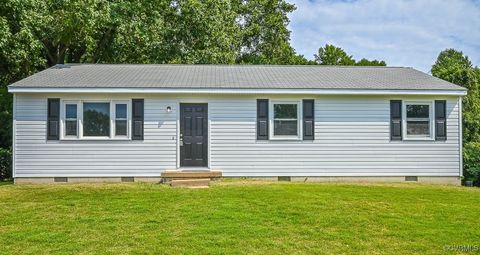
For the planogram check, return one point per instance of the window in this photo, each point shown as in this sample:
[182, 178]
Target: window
[96, 119]
[71, 124]
[418, 120]
[121, 120]
[286, 122]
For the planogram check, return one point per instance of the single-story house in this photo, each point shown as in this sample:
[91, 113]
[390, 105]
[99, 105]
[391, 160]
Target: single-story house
[91, 122]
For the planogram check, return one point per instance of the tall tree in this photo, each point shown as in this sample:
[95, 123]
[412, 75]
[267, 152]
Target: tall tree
[265, 38]
[366, 62]
[453, 66]
[332, 55]
[449, 63]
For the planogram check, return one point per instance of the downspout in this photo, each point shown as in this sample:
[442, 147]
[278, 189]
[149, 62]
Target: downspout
[460, 134]
[14, 133]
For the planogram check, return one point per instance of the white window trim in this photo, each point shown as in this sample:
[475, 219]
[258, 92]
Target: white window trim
[80, 136]
[431, 119]
[299, 135]
[63, 119]
[114, 118]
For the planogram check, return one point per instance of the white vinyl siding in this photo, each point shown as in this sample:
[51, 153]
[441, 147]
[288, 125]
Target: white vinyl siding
[352, 138]
[36, 157]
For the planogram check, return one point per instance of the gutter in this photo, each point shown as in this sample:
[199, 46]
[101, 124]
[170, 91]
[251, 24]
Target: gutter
[238, 91]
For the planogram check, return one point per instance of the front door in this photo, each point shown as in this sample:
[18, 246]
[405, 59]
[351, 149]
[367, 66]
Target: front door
[193, 135]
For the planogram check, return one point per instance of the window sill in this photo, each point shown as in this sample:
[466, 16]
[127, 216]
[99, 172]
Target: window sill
[285, 139]
[96, 139]
[419, 139]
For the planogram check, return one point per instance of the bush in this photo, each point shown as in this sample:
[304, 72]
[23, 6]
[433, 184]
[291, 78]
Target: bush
[5, 164]
[471, 161]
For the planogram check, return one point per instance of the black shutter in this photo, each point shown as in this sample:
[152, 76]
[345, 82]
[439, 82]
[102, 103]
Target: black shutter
[440, 120]
[53, 118]
[308, 119]
[396, 120]
[137, 119]
[262, 119]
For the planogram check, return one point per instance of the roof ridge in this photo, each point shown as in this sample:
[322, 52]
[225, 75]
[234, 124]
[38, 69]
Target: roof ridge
[230, 65]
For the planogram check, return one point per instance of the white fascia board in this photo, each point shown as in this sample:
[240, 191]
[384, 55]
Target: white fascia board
[239, 91]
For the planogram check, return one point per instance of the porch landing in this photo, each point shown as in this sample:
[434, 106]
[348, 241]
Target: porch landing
[191, 174]
[190, 178]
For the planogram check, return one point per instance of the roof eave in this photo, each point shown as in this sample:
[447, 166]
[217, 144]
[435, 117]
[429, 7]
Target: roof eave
[452, 92]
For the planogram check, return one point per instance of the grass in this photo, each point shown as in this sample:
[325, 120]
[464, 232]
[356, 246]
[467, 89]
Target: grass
[239, 218]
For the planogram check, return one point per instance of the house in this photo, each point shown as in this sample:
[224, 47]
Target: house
[102, 122]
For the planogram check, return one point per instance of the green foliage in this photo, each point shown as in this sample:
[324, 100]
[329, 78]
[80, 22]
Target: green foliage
[5, 164]
[366, 62]
[471, 160]
[264, 34]
[453, 66]
[332, 55]
[449, 62]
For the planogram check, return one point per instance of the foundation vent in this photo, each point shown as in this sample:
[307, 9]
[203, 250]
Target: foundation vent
[60, 179]
[284, 178]
[411, 178]
[128, 179]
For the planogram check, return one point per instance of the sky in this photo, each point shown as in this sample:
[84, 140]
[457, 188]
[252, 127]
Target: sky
[401, 32]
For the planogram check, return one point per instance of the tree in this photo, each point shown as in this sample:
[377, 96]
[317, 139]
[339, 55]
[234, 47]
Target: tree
[366, 62]
[332, 55]
[265, 38]
[449, 63]
[453, 66]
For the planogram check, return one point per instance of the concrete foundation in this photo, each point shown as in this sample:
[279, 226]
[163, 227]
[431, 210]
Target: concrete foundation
[51, 180]
[449, 180]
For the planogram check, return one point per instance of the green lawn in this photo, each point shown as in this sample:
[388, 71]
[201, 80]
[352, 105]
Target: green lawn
[238, 217]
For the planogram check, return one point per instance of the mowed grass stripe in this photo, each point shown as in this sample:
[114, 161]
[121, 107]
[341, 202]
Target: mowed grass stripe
[237, 217]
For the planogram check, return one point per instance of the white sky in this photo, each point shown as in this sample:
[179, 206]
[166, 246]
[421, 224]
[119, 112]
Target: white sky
[401, 32]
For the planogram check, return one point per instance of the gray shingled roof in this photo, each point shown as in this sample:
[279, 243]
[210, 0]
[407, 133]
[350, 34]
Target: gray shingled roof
[233, 76]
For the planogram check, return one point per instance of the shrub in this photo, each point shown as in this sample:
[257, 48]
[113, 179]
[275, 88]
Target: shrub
[471, 161]
[5, 164]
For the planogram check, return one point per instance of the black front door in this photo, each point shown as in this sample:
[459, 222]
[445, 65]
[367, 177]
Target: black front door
[193, 135]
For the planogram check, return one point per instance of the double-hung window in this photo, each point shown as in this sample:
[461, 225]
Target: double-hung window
[418, 120]
[95, 119]
[121, 120]
[285, 120]
[71, 120]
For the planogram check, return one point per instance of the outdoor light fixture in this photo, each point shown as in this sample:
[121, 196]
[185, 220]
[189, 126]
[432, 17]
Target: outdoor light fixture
[169, 109]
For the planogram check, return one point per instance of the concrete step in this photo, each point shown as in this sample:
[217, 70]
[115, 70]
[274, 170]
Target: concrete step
[177, 174]
[190, 183]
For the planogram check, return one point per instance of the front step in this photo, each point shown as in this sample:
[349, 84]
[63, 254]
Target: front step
[189, 178]
[190, 183]
[186, 174]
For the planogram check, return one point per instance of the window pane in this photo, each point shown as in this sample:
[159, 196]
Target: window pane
[418, 111]
[71, 111]
[71, 127]
[285, 111]
[285, 127]
[418, 128]
[96, 119]
[121, 111]
[120, 127]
